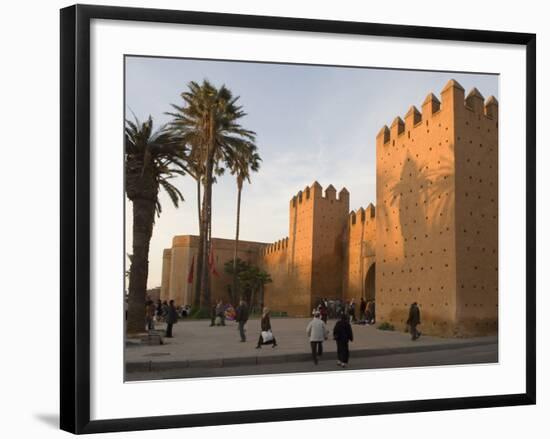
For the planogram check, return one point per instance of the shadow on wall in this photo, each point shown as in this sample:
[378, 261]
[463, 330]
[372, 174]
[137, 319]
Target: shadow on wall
[419, 217]
[424, 199]
[370, 283]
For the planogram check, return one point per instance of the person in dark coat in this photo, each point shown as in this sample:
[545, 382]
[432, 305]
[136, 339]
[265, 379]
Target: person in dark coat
[414, 320]
[241, 318]
[212, 314]
[171, 318]
[352, 310]
[323, 309]
[158, 310]
[150, 315]
[265, 324]
[343, 334]
[362, 308]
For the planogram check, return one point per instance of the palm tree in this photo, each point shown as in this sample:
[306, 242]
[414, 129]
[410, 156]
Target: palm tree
[208, 122]
[152, 159]
[245, 163]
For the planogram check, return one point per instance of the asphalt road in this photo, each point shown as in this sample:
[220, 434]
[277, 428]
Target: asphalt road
[467, 355]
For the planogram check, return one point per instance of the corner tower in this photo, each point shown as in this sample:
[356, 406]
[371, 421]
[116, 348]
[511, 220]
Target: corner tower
[436, 221]
[317, 224]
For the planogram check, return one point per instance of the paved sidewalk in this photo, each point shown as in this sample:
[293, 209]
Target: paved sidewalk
[196, 344]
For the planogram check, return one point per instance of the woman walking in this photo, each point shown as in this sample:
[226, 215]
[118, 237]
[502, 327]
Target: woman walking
[343, 334]
[266, 335]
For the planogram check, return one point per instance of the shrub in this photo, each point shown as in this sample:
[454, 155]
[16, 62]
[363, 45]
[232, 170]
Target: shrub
[200, 313]
[385, 326]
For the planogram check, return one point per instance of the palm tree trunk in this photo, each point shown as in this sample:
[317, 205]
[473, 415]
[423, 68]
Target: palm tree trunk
[204, 296]
[210, 254]
[143, 220]
[200, 256]
[199, 199]
[235, 277]
[197, 295]
[206, 212]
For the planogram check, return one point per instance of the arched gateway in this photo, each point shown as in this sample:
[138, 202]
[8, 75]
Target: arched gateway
[370, 283]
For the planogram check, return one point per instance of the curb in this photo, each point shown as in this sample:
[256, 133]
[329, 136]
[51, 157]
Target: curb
[155, 366]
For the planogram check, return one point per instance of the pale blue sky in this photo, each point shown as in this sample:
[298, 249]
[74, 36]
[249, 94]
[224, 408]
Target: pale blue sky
[312, 123]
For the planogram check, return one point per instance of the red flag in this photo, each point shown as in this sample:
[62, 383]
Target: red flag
[211, 261]
[191, 271]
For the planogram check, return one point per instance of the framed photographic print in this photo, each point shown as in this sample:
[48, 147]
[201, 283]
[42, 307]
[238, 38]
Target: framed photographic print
[254, 208]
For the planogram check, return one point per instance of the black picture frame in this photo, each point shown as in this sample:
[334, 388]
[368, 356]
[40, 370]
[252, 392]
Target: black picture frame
[75, 217]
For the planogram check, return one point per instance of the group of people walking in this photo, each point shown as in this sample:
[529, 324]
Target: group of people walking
[342, 333]
[317, 330]
[266, 334]
[161, 312]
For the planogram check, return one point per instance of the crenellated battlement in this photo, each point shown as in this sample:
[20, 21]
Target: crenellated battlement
[361, 215]
[315, 192]
[276, 247]
[452, 99]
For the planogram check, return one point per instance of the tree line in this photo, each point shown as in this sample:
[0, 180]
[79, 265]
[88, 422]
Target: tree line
[202, 140]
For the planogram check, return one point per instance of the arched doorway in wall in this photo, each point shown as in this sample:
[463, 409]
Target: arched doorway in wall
[370, 283]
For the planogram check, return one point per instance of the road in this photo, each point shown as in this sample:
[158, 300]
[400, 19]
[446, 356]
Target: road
[466, 355]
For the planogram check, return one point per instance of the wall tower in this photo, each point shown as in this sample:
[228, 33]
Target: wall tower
[436, 228]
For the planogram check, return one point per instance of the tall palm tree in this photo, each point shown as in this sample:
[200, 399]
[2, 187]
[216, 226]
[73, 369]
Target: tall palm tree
[208, 121]
[246, 162]
[152, 159]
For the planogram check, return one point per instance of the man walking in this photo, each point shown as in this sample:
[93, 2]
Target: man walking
[362, 309]
[414, 320]
[241, 318]
[150, 315]
[317, 332]
[171, 318]
[352, 310]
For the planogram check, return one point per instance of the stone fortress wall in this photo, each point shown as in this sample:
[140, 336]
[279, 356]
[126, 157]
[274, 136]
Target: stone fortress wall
[415, 246]
[273, 258]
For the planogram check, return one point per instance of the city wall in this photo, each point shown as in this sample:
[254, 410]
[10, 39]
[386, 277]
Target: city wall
[415, 246]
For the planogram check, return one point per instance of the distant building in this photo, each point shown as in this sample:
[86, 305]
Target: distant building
[154, 293]
[433, 237]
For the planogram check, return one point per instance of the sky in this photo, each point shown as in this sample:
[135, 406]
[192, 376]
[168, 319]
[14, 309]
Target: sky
[313, 123]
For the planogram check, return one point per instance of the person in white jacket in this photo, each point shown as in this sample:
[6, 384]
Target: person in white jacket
[317, 332]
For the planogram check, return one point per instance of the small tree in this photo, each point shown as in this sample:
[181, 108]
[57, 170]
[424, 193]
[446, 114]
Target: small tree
[235, 268]
[263, 278]
[253, 279]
